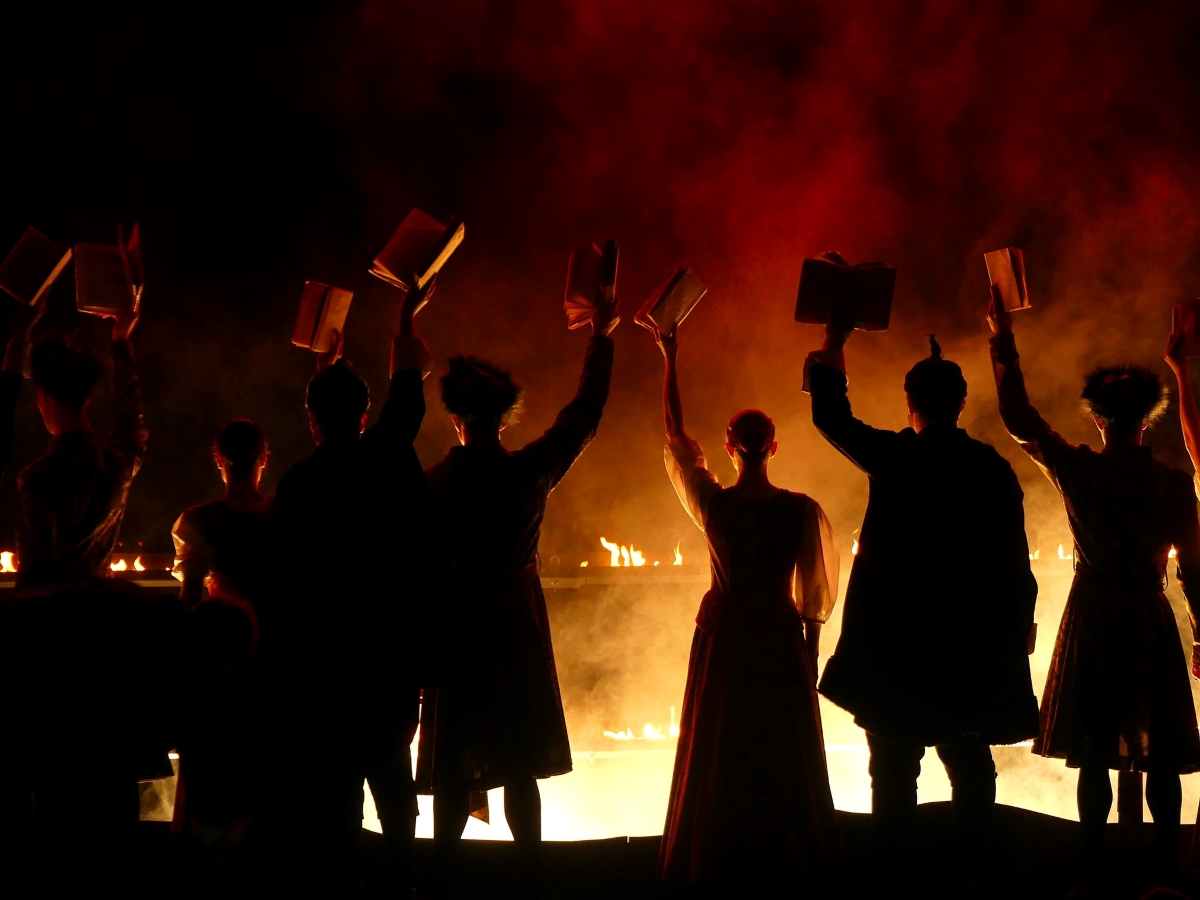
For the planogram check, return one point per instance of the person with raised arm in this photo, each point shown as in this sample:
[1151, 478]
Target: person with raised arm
[1189, 416]
[349, 525]
[1117, 695]
[750, 802]
[939, 608]
[497, 718]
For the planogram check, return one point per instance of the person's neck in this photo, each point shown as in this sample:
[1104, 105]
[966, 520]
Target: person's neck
[481, 438]
[1121, 440]
[753, 481]
[67, 421]
[243, 490]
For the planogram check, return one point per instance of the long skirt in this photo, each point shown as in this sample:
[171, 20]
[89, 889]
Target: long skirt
[1118, 693]
[750, 799]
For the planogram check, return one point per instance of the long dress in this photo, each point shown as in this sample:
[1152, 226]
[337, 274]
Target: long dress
[221, 743]
[750, 798]
[497, 715]
[1117, 694]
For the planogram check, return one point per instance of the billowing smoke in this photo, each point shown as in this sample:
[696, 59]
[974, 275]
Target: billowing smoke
[735, 138]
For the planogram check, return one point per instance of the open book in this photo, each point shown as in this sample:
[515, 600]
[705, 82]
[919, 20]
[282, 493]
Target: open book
[323, 310]
[32, 266]
[672, 301]
[1006, 270]
[829, 281]
[591, 278]
[108, 280]
[1184, 319]
[419, 247]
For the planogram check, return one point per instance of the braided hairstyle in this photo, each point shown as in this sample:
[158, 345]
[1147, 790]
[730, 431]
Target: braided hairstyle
[936, 387]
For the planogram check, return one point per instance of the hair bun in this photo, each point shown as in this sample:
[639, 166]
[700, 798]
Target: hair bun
[935, 349]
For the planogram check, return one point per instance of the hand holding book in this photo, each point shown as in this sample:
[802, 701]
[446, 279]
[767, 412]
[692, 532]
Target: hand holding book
[999, 319]
[592, 287]
[414, 301]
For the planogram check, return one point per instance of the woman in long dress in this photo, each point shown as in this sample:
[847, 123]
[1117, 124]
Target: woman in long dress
[221, 557]
[750, 799]
[1117, 694]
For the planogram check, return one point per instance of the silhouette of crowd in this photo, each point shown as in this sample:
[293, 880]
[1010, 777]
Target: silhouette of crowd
[284, 685]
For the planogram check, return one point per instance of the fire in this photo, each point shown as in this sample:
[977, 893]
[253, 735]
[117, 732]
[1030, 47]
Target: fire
[620, 555]
[583, 565]
[678, 555]
[854, 548]
[137, 565]
[6, 562]
[118, 565]
[1171, 554]
[1061, 555]
[650, 732]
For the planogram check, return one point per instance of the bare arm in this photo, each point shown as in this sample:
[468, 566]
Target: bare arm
[1189, 418]
[672, 400]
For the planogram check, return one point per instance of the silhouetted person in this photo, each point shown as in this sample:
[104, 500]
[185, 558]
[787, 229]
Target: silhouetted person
[221, 552]
[72, 498]
[1117, 695]
[90, 686]
[499, 722]
[349, 527]
[750, 800]
[939, 606]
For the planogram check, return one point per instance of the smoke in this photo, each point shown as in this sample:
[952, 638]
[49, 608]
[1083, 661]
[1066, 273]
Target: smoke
[259, 149]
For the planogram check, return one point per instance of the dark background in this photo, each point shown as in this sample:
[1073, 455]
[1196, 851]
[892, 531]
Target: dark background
[262, 144]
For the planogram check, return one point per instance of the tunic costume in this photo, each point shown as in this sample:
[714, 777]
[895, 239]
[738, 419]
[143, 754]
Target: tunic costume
[750, 797]
[498, 716]
[1117, 694]
[938, 610]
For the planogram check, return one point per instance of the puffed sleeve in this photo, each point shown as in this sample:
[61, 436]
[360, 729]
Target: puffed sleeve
[817, 566]
[694, 483]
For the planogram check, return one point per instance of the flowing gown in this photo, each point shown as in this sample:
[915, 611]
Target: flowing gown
[497, 714]
[750, 797]
[1117, 694]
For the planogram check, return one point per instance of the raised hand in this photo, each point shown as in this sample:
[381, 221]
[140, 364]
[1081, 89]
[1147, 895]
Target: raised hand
[668, 343]
[124, 321]
[334, 353]
[839, 327]
[999, 319]
[414, 301]
[607, 313]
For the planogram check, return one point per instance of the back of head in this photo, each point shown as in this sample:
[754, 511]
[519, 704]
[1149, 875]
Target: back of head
[338, 397]
[936, 387]
[242, 444]
[751, 434]
[478, 392]
[68, 374]
[1124, 397]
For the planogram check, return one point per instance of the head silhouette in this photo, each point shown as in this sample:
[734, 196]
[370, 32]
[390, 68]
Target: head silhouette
[242, 445]
[479, 394]
[936, 388]
[67, 374]
[1124, 398]
[751, 435]
[338, 399]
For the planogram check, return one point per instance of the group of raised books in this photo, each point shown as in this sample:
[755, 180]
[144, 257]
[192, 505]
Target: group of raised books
[108, 280]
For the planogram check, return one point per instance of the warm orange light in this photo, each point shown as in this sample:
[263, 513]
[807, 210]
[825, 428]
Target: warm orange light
[678, 555]
[6, 561]
[118, 565]
[137, 565]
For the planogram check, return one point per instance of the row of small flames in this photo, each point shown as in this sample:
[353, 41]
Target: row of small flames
[8, 563]
[620, 555]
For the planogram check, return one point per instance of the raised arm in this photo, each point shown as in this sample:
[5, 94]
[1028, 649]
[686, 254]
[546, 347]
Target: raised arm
[12, 376]
[1189, 418]
[1020, 418]
[556, 451]
[129, 422]
[871, 449]
[402, 414]
[687, 468]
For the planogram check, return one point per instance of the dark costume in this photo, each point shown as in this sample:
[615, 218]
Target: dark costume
[938, 609]
[348, 532]
[1117, 694]
[72, 498]
[89, 673]
[750, 798]
[221, 743]
[500, 717]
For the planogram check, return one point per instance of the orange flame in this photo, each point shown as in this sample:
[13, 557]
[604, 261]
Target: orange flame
[620, 555]
[678, 555]
[118, 565]
[6, 561]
